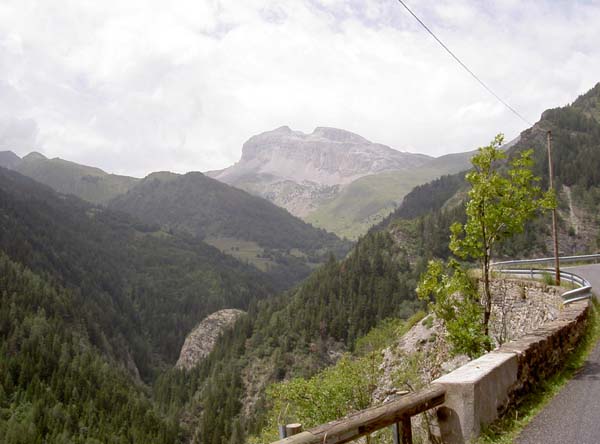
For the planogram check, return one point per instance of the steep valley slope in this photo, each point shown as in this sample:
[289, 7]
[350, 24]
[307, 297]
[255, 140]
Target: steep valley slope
[310, 327]
[113, 297]
[242, 225]
[246, 227]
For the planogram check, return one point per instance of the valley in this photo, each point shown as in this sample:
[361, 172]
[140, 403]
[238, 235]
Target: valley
[196, 308]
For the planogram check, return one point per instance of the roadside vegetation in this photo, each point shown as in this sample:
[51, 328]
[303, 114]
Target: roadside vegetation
[335, 392]
[500, 201]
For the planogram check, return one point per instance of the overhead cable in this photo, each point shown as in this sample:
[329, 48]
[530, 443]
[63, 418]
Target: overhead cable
[481, 82]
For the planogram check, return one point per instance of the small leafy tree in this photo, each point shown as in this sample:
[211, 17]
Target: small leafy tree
[456, 301]
[501, 200]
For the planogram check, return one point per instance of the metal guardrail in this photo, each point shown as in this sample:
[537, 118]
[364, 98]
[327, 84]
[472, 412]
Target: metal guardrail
[583, 292]
[585, 288]
[549, 260]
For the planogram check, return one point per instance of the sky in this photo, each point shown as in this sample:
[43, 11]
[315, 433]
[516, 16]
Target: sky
[134, 86]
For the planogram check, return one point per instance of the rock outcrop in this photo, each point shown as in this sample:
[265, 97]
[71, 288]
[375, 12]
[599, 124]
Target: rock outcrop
[202, 339]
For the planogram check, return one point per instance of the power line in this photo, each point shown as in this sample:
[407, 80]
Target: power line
[515, 112]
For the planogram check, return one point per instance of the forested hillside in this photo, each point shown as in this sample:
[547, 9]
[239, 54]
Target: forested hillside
[55, 385]
[295, 334]
[113, 296]
[431, 208]
[144, 288]
[283, 245]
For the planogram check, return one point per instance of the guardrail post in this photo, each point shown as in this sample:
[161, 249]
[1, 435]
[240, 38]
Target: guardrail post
[396, 433]
[293, 429]
[406, 430]
[402, 431]
[282, 433]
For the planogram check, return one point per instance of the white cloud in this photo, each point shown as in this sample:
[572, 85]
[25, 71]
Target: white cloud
[136, 86]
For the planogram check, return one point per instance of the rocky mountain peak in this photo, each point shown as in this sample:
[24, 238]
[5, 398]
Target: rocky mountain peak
[202, 339]
[327, 156]
[337, 135]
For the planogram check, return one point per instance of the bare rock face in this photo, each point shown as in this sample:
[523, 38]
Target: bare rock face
[202, 339]
[297, 170]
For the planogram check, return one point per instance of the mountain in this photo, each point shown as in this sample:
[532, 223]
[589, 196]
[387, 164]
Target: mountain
[575, 128]
[368, 200]
[57, 386]
[144, 288]
[9, 160]
[294, 334]
[332, 178]
[89, 183]
[241, 225]
[297, 171]
[326, 157]
[246, 226]
[94, 304]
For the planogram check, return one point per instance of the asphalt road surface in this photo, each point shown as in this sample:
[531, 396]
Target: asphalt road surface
[573, 416]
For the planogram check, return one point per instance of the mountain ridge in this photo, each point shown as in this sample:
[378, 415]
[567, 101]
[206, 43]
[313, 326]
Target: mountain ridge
[232, 220]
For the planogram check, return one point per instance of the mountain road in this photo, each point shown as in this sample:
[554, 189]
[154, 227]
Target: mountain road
[573, 415]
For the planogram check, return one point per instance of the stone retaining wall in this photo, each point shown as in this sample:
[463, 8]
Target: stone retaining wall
[519, 307]
[480, 391]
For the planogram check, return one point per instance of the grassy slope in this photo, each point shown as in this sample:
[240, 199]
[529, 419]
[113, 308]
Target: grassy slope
[88, 183]
[368, 200]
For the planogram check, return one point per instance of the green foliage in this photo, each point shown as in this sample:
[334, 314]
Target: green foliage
[144, 289]
[548, 279]
[453, 297]
[338, 390]
[206, 208]
[329, 395]
[498, 204]
[383, 335]
[291, 335]
[55, 386]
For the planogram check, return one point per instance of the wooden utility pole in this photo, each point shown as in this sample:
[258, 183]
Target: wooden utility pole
[554, 223]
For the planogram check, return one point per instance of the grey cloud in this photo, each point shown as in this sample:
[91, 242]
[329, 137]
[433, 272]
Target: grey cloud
[18, 135]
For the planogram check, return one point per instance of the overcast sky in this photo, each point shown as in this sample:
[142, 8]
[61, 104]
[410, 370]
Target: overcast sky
[134, 86]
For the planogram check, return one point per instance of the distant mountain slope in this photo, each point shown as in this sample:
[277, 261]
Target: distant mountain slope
[576, 157]
[295, 334]
[144, 288]
[56, 385]
[368, 200]
[231, 219]
[297, 171]
[332, 178]
[327, 156]
[9, 160]
[89, 183]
